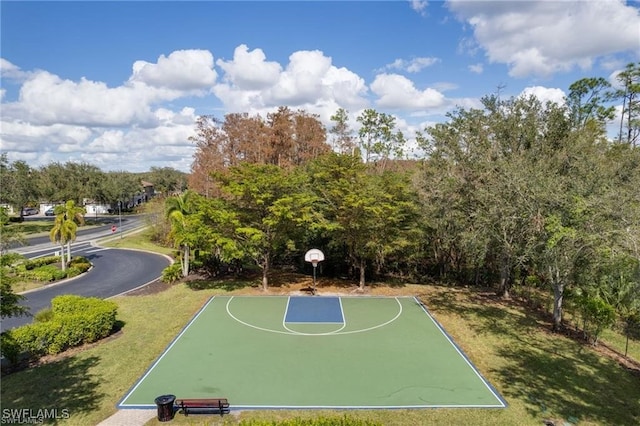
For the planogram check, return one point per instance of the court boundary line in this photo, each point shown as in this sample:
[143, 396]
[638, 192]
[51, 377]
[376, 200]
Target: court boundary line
[464, 356]
[155, 363]
[492, 390]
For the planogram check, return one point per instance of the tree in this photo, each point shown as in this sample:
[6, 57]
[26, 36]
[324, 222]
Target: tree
[366, 213]
[9, 301]
[629, 79]
[166, 180]
[65, 226]
[377, 138]
[117, 187]
[21, 189]
[177, 210]
[285, 138]
[272, 206]
[343, 141]
[586, 102]
[8, 235]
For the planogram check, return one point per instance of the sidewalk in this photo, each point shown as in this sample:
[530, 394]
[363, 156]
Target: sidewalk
[129, 418]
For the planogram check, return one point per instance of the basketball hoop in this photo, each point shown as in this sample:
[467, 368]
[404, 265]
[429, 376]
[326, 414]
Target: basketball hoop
[314, 256]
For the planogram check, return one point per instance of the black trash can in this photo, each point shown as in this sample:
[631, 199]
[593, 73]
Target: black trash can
[165, 407]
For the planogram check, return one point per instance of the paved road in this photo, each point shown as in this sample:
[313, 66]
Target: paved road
[114, 271]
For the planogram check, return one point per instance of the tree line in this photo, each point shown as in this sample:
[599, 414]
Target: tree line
[514, 195]
[56, 183]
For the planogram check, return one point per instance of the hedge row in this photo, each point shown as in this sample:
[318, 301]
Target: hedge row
[74, 320]
[40, 261]
[45, 270]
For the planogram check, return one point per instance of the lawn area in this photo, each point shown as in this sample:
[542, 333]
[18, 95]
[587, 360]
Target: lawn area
[541, 376]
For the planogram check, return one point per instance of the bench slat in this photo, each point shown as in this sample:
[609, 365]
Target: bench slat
[206, 402]
[217, 404]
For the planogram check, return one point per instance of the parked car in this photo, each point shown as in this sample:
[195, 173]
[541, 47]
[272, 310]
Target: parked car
[49, 212]
[28, 211]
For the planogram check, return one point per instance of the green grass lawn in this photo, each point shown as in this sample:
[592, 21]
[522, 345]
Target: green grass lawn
[542, 376]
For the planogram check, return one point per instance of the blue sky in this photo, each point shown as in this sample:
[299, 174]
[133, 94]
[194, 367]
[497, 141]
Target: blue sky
[120, 84]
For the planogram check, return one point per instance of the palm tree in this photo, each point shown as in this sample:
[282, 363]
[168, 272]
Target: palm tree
[177, 209]
[65, 226]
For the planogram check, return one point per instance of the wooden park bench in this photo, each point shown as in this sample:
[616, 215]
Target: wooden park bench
[203, 406]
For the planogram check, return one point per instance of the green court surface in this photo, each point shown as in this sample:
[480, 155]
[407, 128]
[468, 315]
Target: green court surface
[315, 352]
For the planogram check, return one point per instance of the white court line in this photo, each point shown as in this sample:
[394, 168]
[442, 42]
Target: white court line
[166, 351]
[332, 333]
[450, 340]
[284, 323]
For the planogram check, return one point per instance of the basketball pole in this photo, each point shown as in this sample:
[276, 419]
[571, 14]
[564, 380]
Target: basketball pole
[315, 265]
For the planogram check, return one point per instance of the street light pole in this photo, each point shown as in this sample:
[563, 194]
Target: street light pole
[120, 217]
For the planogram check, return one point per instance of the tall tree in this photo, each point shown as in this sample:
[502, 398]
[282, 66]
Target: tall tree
[367, 213]
[177, 210]
[629, 92]
[65, 227]
[272, 206]
[343, 141]
[22, 189]
[166, 180]
[286, 138]
[377, 138]
[586, 101]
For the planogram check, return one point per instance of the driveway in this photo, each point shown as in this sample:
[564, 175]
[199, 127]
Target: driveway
[115, 271]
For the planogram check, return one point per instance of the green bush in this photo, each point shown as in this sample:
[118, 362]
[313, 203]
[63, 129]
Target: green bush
[41, 261]
[172, 273]
[46, 273]
[9, 259]
[43, 315]
[80, 263]
[36, 338]
[9, 348]
[74, 320]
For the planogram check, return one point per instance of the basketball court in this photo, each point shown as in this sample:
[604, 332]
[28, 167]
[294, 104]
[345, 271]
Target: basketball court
[279, 352]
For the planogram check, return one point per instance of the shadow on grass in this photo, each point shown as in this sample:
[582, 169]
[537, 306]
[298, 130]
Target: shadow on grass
[227, 285]
[552, 374]
[575, 384]
[64, 386]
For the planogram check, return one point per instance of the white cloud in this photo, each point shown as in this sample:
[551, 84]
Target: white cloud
[11, 71]
[545, 94]
[546, 37]
[476, 68]
[398, 92]
[47, 99]
[249, 70]
[182, 70]
[309, 81]
[413, 66]
[419, 6]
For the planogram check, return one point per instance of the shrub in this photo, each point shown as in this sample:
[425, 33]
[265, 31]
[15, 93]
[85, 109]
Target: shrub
[43, 315]
[9, 348]
[41, 261]
[74, 320]
[597, 315]
[9, 259]
[81, 263]
[36, 338]
[46, 273]
[172, 273]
